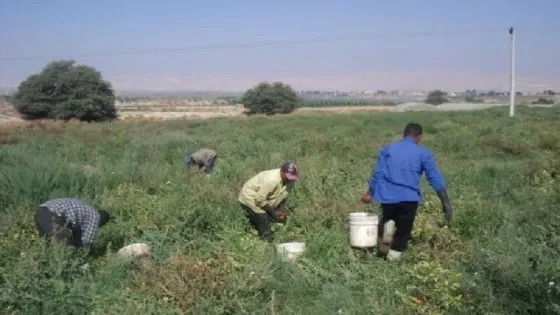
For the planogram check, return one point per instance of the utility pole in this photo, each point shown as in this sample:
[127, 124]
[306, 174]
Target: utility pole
[512, 75]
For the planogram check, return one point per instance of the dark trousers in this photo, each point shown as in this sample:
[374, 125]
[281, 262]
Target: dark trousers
[261, 222]
[51, 225]
[403, 214]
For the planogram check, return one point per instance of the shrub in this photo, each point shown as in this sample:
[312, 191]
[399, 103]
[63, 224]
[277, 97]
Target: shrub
[473, 99]
[270, 99]
[543, 101]
[65, 91]
[437, 97]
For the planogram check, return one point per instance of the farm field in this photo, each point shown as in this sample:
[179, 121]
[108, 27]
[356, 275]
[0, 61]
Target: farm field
[499, 257]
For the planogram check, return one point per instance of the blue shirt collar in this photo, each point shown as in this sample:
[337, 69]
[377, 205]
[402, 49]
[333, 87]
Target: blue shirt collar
[408, 139]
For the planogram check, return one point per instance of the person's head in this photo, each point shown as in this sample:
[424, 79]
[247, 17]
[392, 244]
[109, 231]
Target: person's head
[413, 131]
[289, 172]
[104, 217]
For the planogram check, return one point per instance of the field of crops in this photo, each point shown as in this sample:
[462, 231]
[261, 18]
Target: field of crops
[499, 257]
[345, 102]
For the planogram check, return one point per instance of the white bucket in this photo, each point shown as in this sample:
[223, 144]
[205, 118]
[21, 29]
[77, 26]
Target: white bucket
[363, 229]
[290, 251]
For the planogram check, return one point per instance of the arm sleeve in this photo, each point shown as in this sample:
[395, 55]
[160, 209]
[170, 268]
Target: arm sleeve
[89, 228]
[256, 198]
[262, 195]
[432, 173]
[377, 170]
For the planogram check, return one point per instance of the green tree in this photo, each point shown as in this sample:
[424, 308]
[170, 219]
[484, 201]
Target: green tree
[63, 90]
[543, 101]
[437, 97]
[270, 99]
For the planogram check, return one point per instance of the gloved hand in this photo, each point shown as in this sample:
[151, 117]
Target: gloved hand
[280, 215]
[366, 198]
[446, 206]
[274, 213]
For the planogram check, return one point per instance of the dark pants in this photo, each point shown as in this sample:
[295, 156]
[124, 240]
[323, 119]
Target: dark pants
[51, 225]
[403, 214]
[261, 222]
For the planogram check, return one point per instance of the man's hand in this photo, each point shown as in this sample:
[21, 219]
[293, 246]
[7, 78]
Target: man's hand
[276, 214]
[366, 198]
[280, 215]
[446, 206]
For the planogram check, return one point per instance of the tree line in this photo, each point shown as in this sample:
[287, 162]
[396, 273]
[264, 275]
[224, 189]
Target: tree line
[63, 90]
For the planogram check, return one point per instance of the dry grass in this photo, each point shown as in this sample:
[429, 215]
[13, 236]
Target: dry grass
[160, 110]
[183, 280]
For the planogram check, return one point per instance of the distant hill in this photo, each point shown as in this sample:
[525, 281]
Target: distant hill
[186, 94]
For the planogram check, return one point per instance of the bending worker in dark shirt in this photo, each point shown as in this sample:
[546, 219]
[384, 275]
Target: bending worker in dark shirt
[70, 220]
[395, 184]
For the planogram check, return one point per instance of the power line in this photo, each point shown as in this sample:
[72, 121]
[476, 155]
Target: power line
[273, 43]
[255, 44]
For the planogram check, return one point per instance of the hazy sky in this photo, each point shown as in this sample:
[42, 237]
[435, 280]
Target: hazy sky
[388, 56]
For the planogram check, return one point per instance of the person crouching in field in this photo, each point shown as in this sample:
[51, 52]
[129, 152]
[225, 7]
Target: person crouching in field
[263, 197]
[203, 158]
[395, 184]
[70, 220]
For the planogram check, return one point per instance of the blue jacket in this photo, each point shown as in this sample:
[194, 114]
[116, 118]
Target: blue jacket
[396, 175]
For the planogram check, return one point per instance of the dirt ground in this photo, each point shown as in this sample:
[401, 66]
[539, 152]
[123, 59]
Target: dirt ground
[9, 116]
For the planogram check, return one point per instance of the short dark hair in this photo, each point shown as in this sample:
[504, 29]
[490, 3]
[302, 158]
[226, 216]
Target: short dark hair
[104, 217]
[412, 130]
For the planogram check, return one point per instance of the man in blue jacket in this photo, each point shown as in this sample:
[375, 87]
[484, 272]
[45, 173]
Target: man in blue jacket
[395, 184]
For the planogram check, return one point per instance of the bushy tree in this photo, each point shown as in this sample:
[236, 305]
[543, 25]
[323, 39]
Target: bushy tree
[543, 101]
[63, 90]
[437, 97]
[270, 99]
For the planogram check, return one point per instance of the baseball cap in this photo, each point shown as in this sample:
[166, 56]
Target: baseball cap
[290, 169]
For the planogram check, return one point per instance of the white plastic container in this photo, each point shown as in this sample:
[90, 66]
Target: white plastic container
[290, 251]
[363, 229]
[135, 250]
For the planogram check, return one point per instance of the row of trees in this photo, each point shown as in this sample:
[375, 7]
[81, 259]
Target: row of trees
[343, 102]
[64, 90]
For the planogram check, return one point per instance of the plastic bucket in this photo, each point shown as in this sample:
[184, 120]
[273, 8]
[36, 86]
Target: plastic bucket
[290, 251]
[363, 229]
[135, 250]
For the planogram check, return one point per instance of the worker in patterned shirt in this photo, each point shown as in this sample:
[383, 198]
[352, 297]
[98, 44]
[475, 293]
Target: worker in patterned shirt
[203, 158]
[69, 219]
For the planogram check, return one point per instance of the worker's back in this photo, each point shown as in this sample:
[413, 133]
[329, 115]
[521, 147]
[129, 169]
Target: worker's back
[266, 185]
[403, 163]
[204, 155]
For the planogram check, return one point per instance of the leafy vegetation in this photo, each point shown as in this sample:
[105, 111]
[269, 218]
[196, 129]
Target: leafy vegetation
[437, 97]
[270, 99]
[65, 91]
[346, 102]
[544, 101]
[499, 257]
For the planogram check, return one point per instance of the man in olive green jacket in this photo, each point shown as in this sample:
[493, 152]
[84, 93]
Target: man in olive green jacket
[263, 197]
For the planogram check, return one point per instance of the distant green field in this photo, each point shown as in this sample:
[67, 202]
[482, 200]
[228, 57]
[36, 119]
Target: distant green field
[499, 257]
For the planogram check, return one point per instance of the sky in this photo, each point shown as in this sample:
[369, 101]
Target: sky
[398, 44]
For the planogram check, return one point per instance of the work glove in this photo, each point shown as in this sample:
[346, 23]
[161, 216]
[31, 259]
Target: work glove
[446, 206]
[274, 213]
[366, 198]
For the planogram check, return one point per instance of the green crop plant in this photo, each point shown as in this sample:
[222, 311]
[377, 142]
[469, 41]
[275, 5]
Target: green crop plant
[500, 256]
